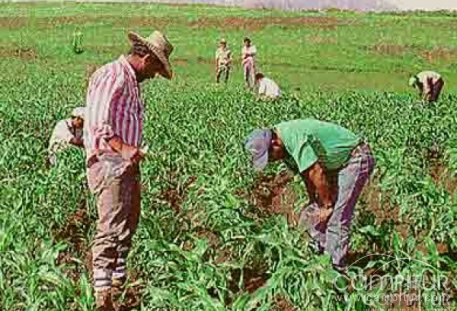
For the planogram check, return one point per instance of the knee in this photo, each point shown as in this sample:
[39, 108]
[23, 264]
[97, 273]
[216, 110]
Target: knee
[333, 228]
[113, 234]
[339, 225]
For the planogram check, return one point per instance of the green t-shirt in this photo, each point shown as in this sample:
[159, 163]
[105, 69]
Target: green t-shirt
[309, 140]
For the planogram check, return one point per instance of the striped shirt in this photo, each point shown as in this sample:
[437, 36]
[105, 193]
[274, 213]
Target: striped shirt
[114, 108]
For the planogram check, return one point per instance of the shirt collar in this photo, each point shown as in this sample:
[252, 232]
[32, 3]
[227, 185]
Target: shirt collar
[128, 68]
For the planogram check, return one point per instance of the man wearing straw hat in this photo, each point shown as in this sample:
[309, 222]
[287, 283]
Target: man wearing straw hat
[223, 61]
[113, 136]
[67, 132]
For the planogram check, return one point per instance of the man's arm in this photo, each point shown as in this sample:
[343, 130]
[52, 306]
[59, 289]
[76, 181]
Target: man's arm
[311, 189]
[318, 182]
[78, 142]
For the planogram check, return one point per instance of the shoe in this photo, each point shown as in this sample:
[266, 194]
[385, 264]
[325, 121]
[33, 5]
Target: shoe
[119, 283]
[315, 248]
[117, 288]
[103, 300]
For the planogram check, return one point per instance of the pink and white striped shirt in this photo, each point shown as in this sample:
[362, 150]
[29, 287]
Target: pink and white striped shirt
[114, 108]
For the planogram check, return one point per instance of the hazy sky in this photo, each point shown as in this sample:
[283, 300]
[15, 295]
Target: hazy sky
[425, 4]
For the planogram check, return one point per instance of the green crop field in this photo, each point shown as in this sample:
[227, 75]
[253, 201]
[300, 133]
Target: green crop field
[213, 234]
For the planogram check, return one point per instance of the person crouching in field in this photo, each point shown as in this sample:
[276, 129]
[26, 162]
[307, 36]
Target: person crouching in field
[248, 54]
[68, 132]
[429, 84]
[334, 163]
[114, 129]
[223, 61]
[267, 88]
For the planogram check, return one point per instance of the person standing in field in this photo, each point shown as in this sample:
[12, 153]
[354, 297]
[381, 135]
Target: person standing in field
[248, 54]
[334, 163]
[114, 130]
[267, 88]
[68, 132]
[223, 61]
[429, 84]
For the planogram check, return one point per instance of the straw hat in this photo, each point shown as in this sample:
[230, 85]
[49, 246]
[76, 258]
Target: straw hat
[159, 45]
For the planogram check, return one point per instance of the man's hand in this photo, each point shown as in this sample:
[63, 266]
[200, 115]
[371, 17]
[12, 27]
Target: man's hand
[138, 157]
[132, 154]
[316, 215]
[324, 214]
[127, 152]
[77, 142]
[318, 185]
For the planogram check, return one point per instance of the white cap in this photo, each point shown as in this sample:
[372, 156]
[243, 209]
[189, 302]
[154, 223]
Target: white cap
[79, 112]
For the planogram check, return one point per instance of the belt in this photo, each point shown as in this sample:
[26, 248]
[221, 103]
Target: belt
[94, 159]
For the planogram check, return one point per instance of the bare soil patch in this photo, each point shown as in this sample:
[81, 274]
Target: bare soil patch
[74, 233]
[440, 55]
[202, 60]
[175, 194]
[130, 298]
[320, 40]
[443, 178]
[283, 304]
[13, 22]
[271, 195]
[230, 23]
[377, 203]
[210, 236]
[180, 62]
[389, 49]
[114, 20]
[254, 24]
[144, 21]
[383, 212]
[247, 279]
[18, 52]
[252, 278]
[103, 48]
